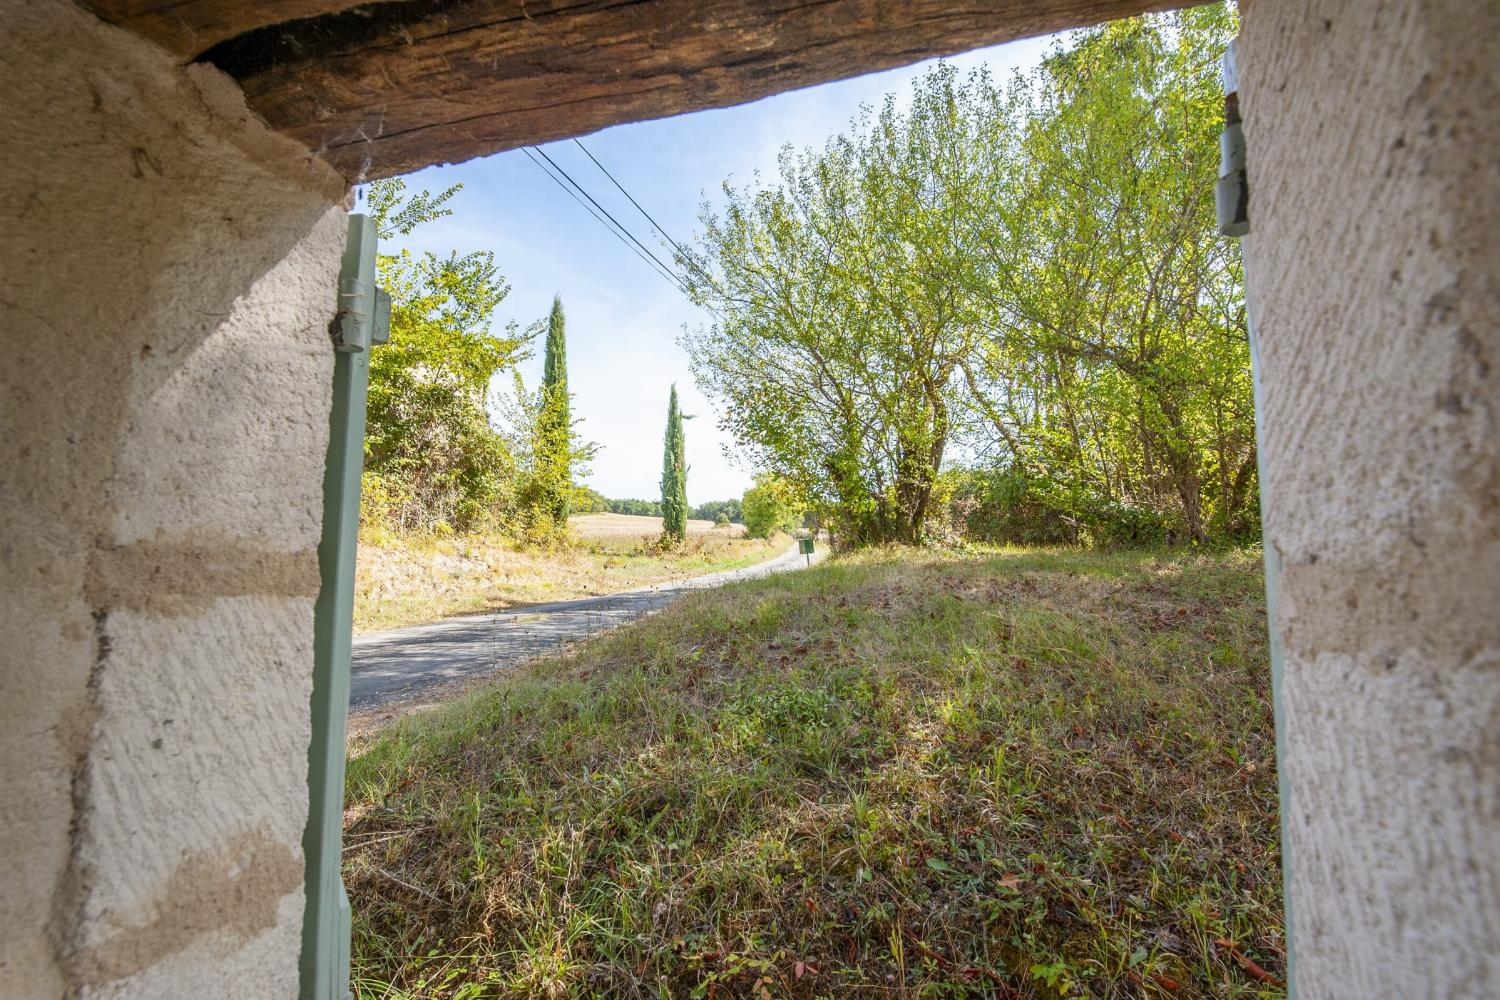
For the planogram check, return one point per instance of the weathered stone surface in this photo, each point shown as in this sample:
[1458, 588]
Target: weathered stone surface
[166, 280]
[163, 297]
[388, 88]
[1374, 272]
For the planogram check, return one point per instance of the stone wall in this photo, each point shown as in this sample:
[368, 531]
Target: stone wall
[167, 277]
[1373, 131]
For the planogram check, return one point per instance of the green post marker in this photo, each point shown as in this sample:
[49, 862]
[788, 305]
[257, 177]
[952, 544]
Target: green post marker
[362, 320]
[805, 546]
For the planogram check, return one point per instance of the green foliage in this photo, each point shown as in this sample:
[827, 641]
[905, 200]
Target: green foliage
[555, 361]
[549, 491]
[639, 508]
[1002, 505]
[587, 500]
[771, 505]
[433, 461]
[842, 321]
[1118, 381]
[674, 505]
[395, 213]
[1029, 273]
[551, 455]
[729, 510]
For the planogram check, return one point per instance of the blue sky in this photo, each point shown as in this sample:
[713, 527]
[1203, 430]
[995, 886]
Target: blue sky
[624, 319]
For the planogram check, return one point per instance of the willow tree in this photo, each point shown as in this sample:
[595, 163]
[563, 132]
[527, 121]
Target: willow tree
[674, 505]
[841, 316]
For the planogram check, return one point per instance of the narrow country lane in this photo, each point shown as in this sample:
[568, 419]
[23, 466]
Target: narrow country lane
[400, 663]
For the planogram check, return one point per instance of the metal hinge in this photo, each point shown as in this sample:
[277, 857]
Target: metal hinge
[1232, 192]
[364, 311]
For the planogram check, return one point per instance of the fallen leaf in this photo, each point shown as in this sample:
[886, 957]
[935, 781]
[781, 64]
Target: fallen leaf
[1246, 962]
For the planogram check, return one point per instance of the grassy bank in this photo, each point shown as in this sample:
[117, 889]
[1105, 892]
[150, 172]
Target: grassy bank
[406, 579]
[1021, 774]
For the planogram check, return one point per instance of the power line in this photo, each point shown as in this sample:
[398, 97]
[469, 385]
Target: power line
[655, 266]
[627, 194]
[650, 262]
[665, 235]
[678, 281]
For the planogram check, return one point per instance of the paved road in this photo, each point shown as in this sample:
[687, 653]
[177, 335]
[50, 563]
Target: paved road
[399, 663]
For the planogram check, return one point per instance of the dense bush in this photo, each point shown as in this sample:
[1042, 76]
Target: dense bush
[771, 505]
[432, 459]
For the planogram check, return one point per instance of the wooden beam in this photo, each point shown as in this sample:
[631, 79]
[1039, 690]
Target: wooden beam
[387, 88]
[189, 28]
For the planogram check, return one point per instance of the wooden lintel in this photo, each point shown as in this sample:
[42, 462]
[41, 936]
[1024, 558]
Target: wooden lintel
[387, 88]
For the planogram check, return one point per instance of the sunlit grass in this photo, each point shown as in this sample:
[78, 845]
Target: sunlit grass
[407, 579]
[1013, 773]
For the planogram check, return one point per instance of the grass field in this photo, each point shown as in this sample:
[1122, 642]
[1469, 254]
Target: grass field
[403, 580]
[1013, 774]
[631, 527]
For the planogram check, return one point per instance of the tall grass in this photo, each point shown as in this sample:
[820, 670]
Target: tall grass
[1011, 774]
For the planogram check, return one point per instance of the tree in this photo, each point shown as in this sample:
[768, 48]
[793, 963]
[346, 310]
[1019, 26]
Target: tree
[770, 506]
[553, 448]
[431, 456]
[637, 508]
[674, 506]
[1026, 276]
[1117, 376]
[712, 510]
[587, 500]
[841, 314]
[550, 453]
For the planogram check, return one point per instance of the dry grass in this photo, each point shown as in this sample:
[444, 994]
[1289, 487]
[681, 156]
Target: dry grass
[404, 580]
[602, 527]
[900, 775]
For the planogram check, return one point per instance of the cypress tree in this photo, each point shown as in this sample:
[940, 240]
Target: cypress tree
[555, 362]
[674, 508]
[553, 425]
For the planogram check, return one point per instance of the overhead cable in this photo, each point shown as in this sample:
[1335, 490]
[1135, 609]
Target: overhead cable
[649, 259]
